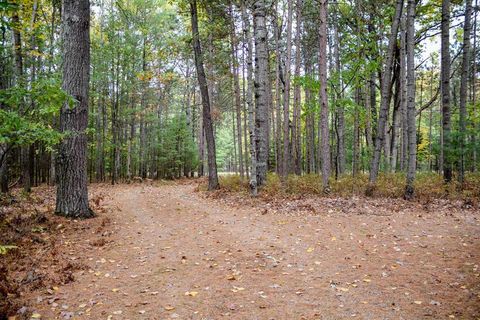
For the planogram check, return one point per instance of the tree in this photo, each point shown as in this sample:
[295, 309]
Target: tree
[386, 93]
[261, 78]
[463, 88]
[412, 139]
[286, 95]
[249, 98]
[207, 117]
[322, 69]
[236, 89]
[445, 87]
[72, 195]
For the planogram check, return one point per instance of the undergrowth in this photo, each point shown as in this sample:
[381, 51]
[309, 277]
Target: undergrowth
[389, 185]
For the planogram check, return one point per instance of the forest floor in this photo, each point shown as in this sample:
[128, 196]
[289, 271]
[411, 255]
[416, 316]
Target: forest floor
[169, 251]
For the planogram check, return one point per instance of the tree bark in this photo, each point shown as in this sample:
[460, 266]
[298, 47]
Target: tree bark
[249, 98]
[261, 101]
[310, 117]
[286, 165]
[445, 87]
[72, 195]
[403, 97]
[236, 87]
[474, 94]
[463, 88]
[20, 81]
[207, 118]
[412, 139]
[278, 94]
[340, 108]
[322, 61]
[385, 98]
[4, 148]
[297, 95]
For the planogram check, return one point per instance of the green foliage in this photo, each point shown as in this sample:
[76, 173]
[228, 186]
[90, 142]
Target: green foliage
[176, 148]
[20, 131]
[25, 120]
[5, 248]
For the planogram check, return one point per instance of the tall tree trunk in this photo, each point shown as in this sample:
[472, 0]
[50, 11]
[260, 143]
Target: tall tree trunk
[445, 87]
[339, 105]
[463, 88]
[278, 90]
[3, 146]
[474, 93]
[20, 81]
[322, 69]
[115, 124]
[261, 87]
[99, 139]
[430, 124]
[403, 97]
[310, 117]
[385, 98]
[286, 94]
[412, 141]
[236, 85]
[72, 195]
[143, 125]
[249, 98]
[297, 98]
[207, 118]
[356, 134]
[397, 112]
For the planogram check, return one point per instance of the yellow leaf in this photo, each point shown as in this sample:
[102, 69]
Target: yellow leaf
[236, 289]
[115, 290]
[191, 293]
[36, 316]
[310, 249]
[417, 302]
[367, 280]
[169, 308]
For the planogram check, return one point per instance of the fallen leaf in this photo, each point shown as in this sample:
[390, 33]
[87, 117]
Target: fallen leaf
[169, 308]
[191, 293]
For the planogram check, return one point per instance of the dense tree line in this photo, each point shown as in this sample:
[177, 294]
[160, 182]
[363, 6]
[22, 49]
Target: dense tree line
[284, 86]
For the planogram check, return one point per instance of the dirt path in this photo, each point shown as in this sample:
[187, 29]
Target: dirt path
[176, 255]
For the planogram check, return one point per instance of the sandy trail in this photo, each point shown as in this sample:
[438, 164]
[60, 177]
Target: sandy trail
[176, 255]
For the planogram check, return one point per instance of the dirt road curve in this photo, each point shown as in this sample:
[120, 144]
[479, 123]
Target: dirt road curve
[175, 255]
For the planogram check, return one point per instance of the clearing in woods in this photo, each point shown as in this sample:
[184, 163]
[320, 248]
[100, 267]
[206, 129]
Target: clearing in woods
[172, 253]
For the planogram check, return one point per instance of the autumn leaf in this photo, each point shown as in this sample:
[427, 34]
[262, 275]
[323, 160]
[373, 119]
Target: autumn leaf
[191, 293]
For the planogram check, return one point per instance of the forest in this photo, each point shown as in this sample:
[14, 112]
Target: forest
[233, 133]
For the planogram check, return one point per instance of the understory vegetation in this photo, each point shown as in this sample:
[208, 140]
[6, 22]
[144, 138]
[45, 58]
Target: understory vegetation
[390, 185]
